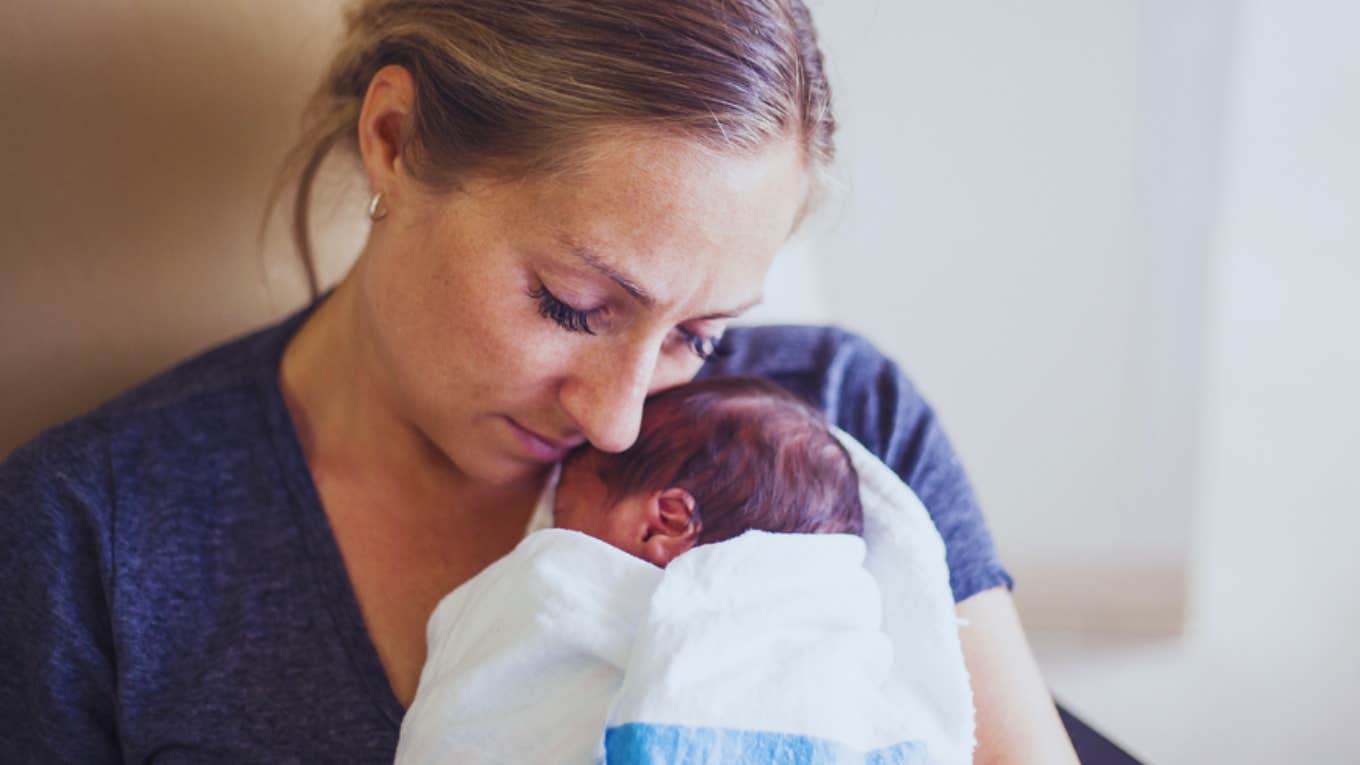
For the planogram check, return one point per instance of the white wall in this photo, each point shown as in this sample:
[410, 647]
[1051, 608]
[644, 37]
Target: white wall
[1267, 669]
[1029, 193]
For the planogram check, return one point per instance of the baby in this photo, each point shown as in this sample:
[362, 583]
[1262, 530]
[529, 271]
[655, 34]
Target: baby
[565, 651]
[714, 458]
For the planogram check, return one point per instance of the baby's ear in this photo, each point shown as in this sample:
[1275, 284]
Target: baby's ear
[672, 525]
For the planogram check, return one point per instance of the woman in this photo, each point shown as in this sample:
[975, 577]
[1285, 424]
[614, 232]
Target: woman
[236, 561]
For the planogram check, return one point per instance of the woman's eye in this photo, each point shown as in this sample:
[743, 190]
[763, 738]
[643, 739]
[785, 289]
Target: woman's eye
[566, 317]
[702, 346]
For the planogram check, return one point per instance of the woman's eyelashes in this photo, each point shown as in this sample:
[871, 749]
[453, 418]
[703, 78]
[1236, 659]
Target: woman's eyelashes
[567, 317]
[574, 319]
[702, 346]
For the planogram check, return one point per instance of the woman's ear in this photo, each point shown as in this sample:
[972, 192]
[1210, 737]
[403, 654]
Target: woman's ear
[384, 120]
[672, 525]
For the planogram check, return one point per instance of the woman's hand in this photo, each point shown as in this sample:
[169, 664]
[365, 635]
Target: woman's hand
[1017, 721]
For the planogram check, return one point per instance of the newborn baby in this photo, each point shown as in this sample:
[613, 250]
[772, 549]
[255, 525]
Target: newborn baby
[598, 641]
[714, 458]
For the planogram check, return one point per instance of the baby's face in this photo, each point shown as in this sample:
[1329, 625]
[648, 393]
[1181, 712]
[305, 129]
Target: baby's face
[646, 525]
[581, 499]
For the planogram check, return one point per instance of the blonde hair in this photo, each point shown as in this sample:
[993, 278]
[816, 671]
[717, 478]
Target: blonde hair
[522, 83]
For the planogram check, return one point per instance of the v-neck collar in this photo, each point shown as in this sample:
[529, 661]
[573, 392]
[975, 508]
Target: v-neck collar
[323, 551]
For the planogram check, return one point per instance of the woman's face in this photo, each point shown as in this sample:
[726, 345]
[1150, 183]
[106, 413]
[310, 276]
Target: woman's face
[514, 320]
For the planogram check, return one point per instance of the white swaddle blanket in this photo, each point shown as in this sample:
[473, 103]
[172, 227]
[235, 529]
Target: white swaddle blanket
[782, 648]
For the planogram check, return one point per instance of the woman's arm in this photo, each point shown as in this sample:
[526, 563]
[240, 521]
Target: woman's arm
[56, 646]
[1016, 719]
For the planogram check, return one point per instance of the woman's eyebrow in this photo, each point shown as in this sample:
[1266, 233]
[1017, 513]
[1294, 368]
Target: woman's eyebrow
[591, 258]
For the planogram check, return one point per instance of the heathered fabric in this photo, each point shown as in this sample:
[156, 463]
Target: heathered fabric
[172, 592]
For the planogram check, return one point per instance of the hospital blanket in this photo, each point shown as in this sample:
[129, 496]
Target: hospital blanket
[768, 648]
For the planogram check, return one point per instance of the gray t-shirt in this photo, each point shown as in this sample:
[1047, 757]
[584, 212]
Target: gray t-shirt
[173, 593]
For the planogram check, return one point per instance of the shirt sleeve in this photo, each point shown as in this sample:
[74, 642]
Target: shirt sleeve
[57, 675]
[867, 395]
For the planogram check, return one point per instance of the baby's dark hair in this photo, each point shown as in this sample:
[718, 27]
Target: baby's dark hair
[753, 455]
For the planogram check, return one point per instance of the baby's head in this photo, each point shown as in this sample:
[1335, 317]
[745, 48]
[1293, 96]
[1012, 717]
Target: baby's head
[714, 458]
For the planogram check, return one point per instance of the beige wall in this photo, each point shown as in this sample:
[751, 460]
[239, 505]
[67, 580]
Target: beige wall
[138, 141]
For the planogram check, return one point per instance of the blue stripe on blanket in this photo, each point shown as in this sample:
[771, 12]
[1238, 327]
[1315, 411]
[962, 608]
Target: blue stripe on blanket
[645, 744]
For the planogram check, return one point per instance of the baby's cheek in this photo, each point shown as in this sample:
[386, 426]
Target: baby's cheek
[574, 510]
[563, 518]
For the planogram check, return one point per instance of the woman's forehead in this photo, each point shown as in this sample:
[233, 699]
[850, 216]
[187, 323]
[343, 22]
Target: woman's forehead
[656, 179]
[636, 206]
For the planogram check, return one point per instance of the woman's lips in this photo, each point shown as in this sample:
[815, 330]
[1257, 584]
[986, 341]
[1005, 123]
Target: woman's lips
[541, 448]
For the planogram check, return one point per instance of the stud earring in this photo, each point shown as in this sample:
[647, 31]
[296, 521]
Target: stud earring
[375, 212]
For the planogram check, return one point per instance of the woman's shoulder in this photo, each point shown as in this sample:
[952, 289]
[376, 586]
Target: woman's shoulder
[867, 395]
[842, 373]
[790, 349]
[165, 420]
[189, 450]
[226, 366]
[66, 464]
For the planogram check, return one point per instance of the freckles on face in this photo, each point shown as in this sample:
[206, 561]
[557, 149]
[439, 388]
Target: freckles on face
[696, 230]
[456, 338]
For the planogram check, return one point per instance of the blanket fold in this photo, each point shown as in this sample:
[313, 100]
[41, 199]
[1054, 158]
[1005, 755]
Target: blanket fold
[524, 659]
[766, 632]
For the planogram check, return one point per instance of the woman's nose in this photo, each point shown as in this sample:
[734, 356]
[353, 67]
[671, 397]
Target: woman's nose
[605, 393]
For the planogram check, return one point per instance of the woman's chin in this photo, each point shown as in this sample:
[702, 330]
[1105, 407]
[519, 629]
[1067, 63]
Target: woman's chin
[508, 472]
